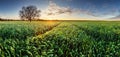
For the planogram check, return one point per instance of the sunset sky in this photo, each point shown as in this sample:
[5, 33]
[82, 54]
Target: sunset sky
[64, 9]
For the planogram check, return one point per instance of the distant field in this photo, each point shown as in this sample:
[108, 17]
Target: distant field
[59, 39]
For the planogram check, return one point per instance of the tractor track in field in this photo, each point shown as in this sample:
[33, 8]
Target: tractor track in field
[49, 29]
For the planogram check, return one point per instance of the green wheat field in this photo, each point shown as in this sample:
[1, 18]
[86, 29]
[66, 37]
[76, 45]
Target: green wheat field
[59, 39]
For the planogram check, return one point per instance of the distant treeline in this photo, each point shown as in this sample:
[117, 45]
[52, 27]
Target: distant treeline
[2, 19]
[24, 20]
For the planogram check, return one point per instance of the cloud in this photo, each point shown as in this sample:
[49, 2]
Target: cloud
[101, 14]
[54, 9]
[116, 17]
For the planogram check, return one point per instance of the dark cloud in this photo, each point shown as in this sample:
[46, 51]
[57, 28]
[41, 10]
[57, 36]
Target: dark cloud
[102, 12]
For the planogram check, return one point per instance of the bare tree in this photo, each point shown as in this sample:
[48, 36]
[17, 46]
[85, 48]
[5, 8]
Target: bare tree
[29, 13]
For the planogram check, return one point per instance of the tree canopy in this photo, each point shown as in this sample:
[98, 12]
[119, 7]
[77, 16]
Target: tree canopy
[29, 13]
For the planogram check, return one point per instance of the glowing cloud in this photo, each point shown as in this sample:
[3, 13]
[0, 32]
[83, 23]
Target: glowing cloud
[54, 9]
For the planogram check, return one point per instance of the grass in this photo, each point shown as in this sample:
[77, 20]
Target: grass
[59, 39]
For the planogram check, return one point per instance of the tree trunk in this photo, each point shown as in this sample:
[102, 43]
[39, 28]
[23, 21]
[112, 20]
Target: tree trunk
[30, 19]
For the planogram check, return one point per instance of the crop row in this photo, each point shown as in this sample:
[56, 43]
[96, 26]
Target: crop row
[107, 38]
[64, 40]
[24, 29]
[14, 40]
